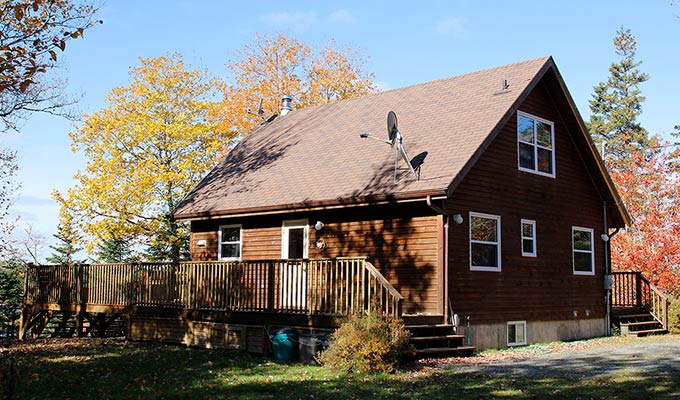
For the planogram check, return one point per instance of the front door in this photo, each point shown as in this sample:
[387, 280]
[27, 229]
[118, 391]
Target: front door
[294, 246]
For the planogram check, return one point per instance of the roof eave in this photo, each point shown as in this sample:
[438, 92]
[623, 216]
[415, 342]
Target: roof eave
[312, 205]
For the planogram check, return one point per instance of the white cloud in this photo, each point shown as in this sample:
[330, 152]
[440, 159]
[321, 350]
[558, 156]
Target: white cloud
[341, 17]
[451, 26]
[297, 19]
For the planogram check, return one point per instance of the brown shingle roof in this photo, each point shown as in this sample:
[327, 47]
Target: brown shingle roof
[315, 155]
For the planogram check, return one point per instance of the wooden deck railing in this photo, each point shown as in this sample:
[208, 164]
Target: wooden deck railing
[336, 287]
[632, 289]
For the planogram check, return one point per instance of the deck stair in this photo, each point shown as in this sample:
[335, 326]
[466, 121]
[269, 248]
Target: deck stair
[640, 323]
[438, 340]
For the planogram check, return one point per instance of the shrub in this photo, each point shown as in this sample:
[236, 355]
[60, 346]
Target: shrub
[674, 316]
[367, 344]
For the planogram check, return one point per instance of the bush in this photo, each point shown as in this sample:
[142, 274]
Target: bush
[674, 316]
[367, 344]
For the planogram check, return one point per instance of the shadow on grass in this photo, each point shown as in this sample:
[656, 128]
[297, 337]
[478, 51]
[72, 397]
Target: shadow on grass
[119, 370]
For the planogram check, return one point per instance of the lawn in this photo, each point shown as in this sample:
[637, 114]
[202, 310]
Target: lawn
[113, 369]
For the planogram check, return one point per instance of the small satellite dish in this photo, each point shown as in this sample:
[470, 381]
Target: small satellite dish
[391, 126]
[394, 136]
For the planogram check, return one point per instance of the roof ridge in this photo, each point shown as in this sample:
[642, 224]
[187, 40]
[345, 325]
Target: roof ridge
[466, 74]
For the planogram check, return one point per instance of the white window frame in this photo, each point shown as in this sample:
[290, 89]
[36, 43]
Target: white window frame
[220, 243]
[592, 250]
[497, 243]
[532, 238]
[536, 146]
[523, 324]
[285, 229]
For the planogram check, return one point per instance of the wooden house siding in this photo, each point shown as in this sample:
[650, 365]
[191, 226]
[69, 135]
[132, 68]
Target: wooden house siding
[402, 241]
[542, 288]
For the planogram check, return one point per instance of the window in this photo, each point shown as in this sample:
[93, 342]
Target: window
[535, 145]
[582, 246]
[230, 242]
[485, 242]
[517, 333]
[528, 238]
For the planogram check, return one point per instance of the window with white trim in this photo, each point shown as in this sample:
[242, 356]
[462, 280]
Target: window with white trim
[582, 248]
[517, 333]
[230, 239]
[485, 242]
[528, 238]
[535, 144]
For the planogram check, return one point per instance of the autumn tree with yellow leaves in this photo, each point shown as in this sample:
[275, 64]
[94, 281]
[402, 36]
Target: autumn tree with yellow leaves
[159, 136]
[276, 66]
[145, 152]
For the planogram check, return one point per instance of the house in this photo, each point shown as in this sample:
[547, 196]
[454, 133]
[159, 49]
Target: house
[504, 224]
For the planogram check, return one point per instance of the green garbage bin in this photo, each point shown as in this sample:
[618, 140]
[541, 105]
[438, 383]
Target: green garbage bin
[310, 346]
[285, 343]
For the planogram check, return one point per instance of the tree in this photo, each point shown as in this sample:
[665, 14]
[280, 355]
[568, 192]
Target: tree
[11, 291]
[68, 239]
[8, 186]
[145, 151]
[649, 184]
[115, 249]
[32, 33]
[273, 67]
[617, 103]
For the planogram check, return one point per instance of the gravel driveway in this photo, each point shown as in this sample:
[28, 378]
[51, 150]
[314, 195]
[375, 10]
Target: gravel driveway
[651, 356]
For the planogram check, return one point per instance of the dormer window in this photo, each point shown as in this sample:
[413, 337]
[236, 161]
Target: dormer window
[535, 144]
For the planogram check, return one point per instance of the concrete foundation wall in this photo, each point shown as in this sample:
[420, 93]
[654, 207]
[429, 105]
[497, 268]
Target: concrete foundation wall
[495, 336]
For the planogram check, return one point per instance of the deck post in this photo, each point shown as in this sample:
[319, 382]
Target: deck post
[25, 313]
[638, 289]
[81, 297]
[270, 286]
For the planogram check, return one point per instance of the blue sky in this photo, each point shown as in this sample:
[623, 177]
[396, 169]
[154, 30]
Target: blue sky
[408, 42]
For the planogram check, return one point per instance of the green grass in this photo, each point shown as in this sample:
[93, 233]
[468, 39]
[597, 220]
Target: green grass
[109, 369]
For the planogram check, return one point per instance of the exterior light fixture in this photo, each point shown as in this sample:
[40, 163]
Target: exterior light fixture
[605, 237]
[319, 225]
[457, 218]
[201, 243]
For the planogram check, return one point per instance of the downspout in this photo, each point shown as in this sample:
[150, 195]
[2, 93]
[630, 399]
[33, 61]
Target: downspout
[608, 268]
[446, 255]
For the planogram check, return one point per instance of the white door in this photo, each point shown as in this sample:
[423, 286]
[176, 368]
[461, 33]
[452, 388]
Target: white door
[294, 246]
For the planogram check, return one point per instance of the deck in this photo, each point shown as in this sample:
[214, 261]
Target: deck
[173, 296]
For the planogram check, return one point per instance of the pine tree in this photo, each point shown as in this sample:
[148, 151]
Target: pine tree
[617, 103]
[66, 247]
[115, 249]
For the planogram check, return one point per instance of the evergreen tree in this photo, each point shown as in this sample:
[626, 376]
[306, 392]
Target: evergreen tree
[115, 249]
[170, 242]
[617, 103]
[66, 247]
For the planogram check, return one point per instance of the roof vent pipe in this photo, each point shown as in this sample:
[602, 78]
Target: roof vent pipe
[286, 105]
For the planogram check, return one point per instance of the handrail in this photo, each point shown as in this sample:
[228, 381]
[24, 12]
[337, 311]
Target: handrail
[374, 272]
[632, 289]
[389, 298]
[330, 286]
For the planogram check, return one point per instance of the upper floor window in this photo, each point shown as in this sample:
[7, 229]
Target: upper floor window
[535, 144]
[485, 242]
[582, 247]
[230, 242]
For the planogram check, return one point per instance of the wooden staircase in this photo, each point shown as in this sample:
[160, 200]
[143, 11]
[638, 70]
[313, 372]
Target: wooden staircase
[638, 322]
[431, 338]
[639, 308]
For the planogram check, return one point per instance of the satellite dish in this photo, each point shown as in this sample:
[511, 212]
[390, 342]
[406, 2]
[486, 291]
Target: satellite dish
[392, 126]
[394, 136]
